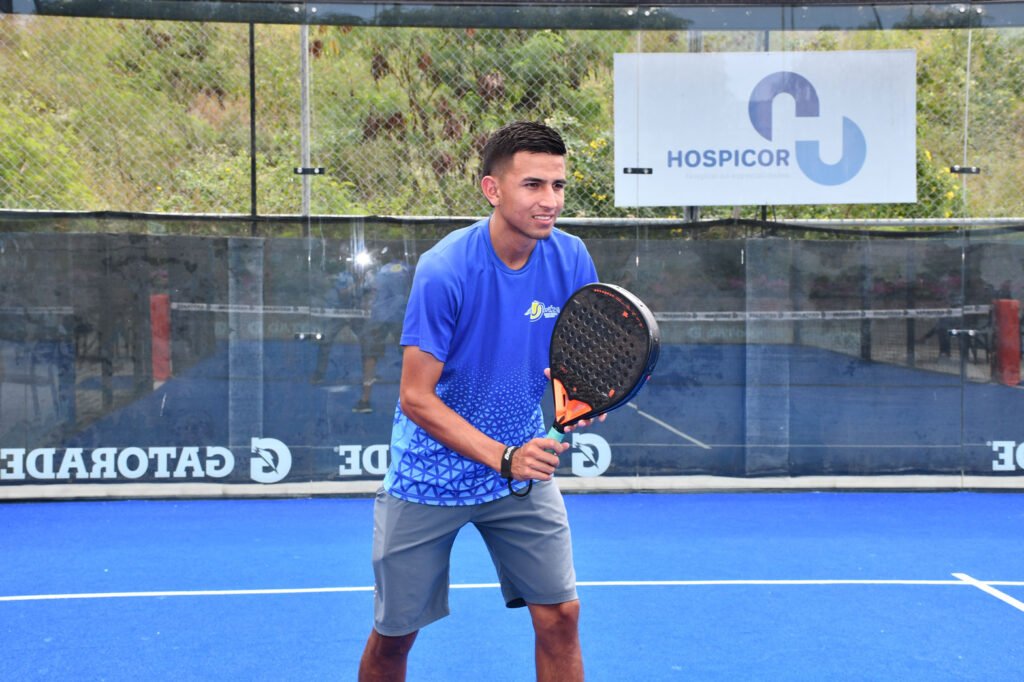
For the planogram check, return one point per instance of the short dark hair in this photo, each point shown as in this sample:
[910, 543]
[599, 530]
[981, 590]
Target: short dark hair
[520, 136]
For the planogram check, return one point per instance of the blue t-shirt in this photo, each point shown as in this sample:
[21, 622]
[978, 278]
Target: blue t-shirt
[344, 292]
[390, 289]
[491, 327]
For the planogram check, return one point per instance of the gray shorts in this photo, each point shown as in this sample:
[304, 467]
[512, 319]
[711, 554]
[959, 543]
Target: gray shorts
[528, 539]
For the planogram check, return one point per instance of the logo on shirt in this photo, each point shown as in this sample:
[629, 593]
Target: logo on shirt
[538, 310]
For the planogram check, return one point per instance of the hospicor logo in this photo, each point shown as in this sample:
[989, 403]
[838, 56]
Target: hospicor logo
[808, 152]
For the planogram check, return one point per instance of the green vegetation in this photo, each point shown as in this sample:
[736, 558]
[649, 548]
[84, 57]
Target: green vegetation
[154, 116]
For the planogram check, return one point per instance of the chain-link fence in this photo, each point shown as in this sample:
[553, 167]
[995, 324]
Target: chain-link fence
[139, 115]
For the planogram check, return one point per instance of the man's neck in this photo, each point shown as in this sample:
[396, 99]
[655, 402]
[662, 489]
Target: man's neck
[511, 247]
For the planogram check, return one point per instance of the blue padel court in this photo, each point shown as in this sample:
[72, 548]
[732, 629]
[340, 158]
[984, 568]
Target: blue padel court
[753, 586]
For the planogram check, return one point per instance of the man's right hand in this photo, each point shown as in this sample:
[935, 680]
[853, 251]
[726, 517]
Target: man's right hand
[537, 459]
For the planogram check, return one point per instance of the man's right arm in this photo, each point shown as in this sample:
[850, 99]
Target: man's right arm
[419, 401]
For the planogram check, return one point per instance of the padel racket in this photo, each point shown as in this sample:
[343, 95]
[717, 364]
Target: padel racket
[603, 349]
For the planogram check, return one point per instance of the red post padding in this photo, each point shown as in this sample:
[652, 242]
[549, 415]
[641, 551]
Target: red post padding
[1006, 326]
[160, 324]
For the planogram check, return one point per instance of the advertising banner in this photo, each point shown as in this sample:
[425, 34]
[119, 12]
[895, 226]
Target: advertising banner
[765, 128]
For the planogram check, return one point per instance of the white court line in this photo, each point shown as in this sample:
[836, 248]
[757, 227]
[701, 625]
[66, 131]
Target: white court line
[714, 583]
[963, 580]
[180, 593]
[669, 427]
[987, 588]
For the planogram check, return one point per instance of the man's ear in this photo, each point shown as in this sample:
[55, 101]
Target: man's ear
[489, 186]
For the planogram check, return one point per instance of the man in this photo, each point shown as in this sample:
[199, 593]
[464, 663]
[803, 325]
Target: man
[476, 333]
[344, 291]
[389, 289]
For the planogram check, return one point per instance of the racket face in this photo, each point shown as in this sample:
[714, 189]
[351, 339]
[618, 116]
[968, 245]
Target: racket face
[603, 349]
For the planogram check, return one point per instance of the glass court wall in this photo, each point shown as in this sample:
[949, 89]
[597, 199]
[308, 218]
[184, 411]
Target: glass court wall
[210, 225]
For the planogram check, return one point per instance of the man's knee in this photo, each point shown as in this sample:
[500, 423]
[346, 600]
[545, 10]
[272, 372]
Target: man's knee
[383, 646]
[556, 620]
[385, 657]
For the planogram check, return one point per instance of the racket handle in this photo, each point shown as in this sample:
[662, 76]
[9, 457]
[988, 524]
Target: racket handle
[556, 434]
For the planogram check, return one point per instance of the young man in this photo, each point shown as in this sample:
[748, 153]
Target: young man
[476, 332]
[389, 291]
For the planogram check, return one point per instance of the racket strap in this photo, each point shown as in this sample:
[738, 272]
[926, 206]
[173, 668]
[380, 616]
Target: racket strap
[506, 470]
[506, 461]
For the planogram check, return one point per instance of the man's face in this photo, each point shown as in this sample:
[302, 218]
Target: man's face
[527, 193]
